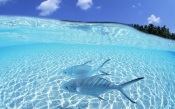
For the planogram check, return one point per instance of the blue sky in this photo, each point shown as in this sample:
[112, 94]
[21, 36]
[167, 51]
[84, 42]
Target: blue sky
[158, 12]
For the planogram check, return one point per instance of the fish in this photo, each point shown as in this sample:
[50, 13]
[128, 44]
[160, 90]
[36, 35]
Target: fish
[95, 86]
[84, 70]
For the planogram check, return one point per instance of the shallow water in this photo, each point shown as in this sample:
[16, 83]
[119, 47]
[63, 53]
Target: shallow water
[33, 52]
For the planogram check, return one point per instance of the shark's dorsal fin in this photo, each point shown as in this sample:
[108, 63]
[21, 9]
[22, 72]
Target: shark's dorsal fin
[87, 62]
[103, 63]
[100, 67]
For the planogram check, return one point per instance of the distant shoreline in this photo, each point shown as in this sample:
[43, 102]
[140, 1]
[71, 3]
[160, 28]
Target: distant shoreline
[155, 30]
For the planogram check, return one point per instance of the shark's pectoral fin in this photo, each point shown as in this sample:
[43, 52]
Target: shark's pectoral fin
[78, 89]
[101, 98]
[104, 73]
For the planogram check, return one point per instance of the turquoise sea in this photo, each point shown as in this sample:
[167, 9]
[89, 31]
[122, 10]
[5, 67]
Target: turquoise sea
[34, 51]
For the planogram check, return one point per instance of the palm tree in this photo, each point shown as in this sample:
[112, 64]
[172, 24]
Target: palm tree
[150, 28]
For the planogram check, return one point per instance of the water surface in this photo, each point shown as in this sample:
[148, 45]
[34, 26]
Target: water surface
[33, 52]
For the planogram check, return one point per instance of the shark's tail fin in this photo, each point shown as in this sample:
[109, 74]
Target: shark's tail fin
[100, 67]
[122, 86]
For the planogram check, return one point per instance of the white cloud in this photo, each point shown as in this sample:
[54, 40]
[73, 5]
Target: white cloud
[133, 6]
[85, 4]
[98, 7]
[3, 1]
[48, 7]
[136, 5]
[153, 19]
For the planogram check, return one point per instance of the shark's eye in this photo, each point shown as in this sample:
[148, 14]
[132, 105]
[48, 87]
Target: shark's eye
[66, 87]
[65, 72]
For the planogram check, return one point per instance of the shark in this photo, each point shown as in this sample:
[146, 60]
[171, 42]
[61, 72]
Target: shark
[96, 85]
[84, 70]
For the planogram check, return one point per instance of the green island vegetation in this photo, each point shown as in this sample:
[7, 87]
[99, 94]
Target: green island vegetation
[156, 30]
